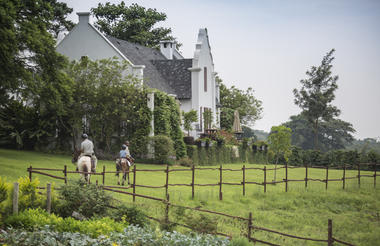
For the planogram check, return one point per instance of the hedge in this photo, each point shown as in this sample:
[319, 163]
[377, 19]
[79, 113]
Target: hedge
[217, 155]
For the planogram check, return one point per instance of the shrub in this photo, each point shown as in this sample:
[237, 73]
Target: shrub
[131, 215]
[163, 148]
[37, 218]
[186, 161]
[4, 187]
[201, 223]
[131, 235]
[86, 199]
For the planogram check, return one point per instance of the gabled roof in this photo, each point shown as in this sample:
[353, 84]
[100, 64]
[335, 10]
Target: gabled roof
[177, 75]
[170, 76]
[141, 55]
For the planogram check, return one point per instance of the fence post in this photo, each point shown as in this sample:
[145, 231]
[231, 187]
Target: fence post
[344, 175]
[359, 174]
[243, 180]
[249, 226]
[192, 181]
[374, 176]
[220, 183]
[15, 198]
[167, 210]
[65, 173]
[265, 179]
[48, 197]
[327, 176]
[134, 183]
[30, 173]
[286, 177]
[167, 180]
[305, 175]
[104, 174]
[330, 239]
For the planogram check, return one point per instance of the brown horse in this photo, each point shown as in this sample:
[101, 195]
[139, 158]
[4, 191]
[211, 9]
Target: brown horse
[123, 165]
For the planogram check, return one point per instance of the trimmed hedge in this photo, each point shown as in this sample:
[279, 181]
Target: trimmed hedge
[217, 155]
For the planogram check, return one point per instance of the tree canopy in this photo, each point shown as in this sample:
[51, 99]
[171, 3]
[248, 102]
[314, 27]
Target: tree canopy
[279, 140]
[249, 107]
[33, 85]
[333, 134]
[317, 93]
[132, 23]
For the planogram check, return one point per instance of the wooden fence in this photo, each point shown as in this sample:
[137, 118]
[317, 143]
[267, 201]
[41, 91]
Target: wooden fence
[244, 180]
[248, 221]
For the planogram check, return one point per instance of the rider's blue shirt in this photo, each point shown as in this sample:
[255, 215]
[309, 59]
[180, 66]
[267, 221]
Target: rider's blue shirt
[123, 153]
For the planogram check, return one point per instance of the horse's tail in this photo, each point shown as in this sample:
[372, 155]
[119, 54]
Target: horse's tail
[85, 169]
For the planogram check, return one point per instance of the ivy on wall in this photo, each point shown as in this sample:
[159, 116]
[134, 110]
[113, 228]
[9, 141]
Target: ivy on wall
[167, 121]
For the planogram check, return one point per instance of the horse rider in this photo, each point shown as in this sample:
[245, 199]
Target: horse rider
[129, 157]
[87, 149]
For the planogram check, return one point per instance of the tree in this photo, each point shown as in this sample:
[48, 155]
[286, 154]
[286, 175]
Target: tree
[317, 93]
[279, 141]
[250, 108]
[31, 70]
[188, 118]
[132, 23]
[332, 134]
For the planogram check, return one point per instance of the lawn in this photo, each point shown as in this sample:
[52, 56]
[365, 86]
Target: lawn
[303, 212]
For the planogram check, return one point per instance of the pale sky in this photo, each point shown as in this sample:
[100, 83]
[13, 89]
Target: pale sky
[268, 45]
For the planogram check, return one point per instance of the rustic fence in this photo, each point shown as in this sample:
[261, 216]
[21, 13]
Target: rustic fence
[244, 179]
[248, 221]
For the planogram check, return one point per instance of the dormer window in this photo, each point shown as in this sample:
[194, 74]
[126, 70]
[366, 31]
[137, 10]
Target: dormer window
[205, 78]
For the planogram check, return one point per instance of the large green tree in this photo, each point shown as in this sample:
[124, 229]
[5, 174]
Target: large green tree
[31, 70]
[317, 93]
[332, 134]
[133, 23]
[231, 99]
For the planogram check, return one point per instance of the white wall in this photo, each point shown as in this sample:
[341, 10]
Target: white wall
[203, 58]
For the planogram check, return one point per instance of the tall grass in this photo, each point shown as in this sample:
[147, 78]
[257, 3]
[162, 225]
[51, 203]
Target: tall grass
[300, 211]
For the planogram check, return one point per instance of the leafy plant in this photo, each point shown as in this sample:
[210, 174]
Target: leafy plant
[163, 148]
[37, 219]
[131, 215]
[188, 119]
[86, 199]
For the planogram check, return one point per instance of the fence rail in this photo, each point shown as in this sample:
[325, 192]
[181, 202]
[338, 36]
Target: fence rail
[330, 239]
[244, 181]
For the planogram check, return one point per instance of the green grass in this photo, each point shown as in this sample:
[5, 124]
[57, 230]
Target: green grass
[303, 212]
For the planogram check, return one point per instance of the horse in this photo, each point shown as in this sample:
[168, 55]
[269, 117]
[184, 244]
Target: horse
[83, 164]
[123, 165]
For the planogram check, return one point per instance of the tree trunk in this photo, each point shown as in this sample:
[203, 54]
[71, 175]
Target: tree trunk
[275, 168]
[316, 135]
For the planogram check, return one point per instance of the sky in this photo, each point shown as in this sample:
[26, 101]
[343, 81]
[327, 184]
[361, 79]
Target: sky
[269, 45]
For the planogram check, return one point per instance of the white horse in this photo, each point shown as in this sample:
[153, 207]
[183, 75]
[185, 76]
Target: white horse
[83, 164]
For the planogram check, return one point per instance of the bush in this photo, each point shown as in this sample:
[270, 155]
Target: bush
[131, 215]
[86, 199]
[163, 148]
[132, 235]
[4, 187]
[186, 161]
[37, 219]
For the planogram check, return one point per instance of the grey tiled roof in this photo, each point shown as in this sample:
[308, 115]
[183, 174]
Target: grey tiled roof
[177, 75]
[170, 76]
[140, 55]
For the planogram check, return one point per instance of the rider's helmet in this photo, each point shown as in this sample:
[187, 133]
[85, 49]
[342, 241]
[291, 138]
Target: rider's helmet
[84, 136]
[123, 146]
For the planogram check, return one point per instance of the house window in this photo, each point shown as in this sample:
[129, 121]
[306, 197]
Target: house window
[205, 78]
